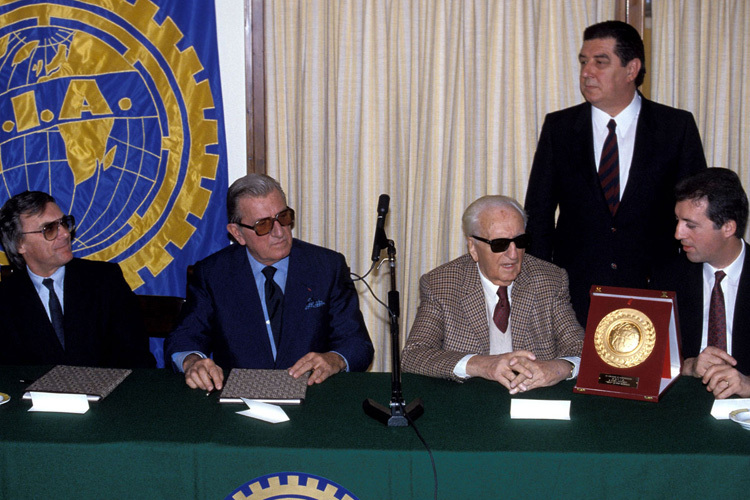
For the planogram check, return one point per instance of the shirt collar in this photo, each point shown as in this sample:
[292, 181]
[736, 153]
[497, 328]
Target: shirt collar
[282, 267]
[733, 270]
[58, 277]
[624, 119]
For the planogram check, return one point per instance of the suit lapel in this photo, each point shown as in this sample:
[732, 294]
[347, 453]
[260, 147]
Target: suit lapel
[244, 294]
[474, 306]
[44, 340]
[583, 153]
[643, 151]
[740, 337]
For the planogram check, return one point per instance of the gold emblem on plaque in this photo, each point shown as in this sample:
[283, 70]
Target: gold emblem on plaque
[624, 338]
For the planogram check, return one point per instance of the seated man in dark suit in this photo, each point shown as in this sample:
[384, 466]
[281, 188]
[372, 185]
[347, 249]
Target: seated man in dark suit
[59, 310]
[495, 312]
[270, 301]
[712, 281]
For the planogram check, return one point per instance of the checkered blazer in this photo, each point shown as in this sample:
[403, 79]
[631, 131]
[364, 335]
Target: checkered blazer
[451, 321]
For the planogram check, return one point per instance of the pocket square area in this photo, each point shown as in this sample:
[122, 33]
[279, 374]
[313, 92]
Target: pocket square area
[314, 304]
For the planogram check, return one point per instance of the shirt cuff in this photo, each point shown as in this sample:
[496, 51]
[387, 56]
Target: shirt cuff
[345, 360]
[460, 368]
[179, 357]
[576, 361]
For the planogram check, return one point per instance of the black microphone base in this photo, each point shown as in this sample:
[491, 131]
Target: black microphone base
[396, 415]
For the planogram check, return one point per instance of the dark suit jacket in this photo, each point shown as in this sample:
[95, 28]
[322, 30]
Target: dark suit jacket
[451, 321]
[223, 314]
[591, 244]
[686, 279]
[103, 324]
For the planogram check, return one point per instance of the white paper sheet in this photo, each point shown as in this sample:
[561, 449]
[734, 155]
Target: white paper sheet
[264, 411]
[59, 403]
[721, 408]
[540, 409]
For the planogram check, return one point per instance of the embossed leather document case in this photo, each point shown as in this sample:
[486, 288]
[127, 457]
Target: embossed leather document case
[96, 383]
[267, 386]
[632, 344]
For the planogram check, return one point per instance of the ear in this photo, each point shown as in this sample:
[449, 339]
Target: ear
[472, 249]
[729, 229]
[234, 230]
[634, 67]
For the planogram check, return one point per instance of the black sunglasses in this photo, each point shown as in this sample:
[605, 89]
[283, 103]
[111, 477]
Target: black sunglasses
[499, 245]
[264, 226]
[51, 229]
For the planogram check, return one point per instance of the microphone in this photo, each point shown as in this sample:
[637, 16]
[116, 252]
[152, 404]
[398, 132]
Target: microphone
[380, 241]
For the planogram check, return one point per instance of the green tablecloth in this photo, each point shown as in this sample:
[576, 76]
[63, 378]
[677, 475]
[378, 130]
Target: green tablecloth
[153, 437]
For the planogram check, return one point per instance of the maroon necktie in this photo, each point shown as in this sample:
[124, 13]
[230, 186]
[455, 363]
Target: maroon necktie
[717, 316]
[609, 169]
[502, 309]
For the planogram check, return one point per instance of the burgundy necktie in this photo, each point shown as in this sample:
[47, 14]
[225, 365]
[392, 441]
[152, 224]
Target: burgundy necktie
[717, 316]
[609, 168]
[502, 309]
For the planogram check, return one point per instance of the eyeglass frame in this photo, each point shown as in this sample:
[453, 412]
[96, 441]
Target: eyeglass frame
[67, 221]
[500, 245]
[273, 220]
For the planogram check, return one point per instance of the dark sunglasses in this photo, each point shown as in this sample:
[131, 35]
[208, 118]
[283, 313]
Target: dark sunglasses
[51, 229]
[499, 245]
[264, 226]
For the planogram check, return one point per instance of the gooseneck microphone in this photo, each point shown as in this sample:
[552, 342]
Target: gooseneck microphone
[380, 241]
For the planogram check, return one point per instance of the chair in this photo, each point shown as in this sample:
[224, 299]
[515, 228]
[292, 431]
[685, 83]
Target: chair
[5, 271]
[160, 313]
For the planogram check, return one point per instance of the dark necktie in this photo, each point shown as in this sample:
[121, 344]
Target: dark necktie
[717, 316]
[502, 309]
[609, 169]
[274, 303]
[55, 310]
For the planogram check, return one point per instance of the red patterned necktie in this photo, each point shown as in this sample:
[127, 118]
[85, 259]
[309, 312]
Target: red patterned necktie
[717, 316]
[609, 168]
[502, 309]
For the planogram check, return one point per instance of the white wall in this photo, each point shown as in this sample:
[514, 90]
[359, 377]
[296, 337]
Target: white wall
[230, 27]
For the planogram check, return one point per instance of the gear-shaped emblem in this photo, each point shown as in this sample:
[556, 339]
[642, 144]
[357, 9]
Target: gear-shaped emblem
[103, 108]
[291, 485]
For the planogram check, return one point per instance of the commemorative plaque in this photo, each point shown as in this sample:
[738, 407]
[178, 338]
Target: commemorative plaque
[632, 344]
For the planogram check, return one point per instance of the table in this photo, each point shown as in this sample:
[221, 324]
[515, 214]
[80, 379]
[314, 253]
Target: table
[153, 437]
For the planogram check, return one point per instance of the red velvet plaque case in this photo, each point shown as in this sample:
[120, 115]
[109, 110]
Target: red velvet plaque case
[632, 344]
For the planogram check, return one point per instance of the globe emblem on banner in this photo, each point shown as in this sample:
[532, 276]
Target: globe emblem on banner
[85, 161]
[94, 113]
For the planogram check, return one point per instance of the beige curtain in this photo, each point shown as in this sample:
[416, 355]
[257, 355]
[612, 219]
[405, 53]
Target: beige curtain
[432, 102]
[701, 63]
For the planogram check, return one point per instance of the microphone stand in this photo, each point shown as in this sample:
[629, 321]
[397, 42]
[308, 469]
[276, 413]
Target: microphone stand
[399, 414]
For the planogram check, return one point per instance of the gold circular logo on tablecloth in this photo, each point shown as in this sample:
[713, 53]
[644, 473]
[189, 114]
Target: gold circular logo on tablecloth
[624, 338]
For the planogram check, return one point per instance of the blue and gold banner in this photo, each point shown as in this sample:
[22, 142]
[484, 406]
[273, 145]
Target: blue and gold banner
[114, 108]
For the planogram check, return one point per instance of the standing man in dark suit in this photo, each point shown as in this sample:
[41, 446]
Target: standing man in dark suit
[610, 165]
[59, 310]
[495, 313]
[712, 281]
[269, 301]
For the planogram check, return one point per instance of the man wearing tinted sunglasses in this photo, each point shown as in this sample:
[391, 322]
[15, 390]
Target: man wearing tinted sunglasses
[57, 309]
[495, 312]
[269, 301]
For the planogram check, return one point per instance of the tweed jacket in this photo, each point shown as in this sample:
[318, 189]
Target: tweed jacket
[451, 321]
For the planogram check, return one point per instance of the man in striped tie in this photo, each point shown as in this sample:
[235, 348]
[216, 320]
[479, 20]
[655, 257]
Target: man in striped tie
[609, 166]
[712, 281]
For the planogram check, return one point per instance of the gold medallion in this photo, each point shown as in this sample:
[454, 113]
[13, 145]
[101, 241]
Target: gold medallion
[624, 338]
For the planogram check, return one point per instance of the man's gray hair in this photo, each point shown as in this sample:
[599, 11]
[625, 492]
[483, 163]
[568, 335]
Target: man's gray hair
[470, 219]
[252, 186]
